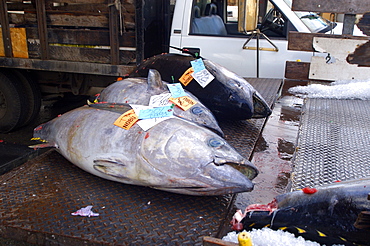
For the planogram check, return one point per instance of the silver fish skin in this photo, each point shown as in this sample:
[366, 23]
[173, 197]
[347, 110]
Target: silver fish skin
[175, 155]
[139, 91]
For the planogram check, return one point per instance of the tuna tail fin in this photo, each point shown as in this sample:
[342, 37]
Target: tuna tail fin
[41, 134]
[155, 80]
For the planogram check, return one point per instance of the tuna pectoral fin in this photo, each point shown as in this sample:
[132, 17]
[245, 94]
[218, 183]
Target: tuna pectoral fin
[111, 166]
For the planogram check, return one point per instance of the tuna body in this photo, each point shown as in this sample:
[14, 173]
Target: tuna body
[175, 155]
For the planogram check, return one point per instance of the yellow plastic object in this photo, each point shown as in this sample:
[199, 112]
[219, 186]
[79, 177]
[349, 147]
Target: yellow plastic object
[244, 239]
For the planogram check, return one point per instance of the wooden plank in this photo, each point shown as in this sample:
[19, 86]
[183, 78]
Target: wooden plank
[211, 241]
[6, 38]
[90, 8]
[332, 6]
[364, 24]
[139, 31]
[83, 36]
[361, 56]
[100, 21]
[19, 42]
[68, 67]
[335, 65]
[297, 70]
[77, 1]
[113, 32]
[41, 27]
[85, 8]
[19, 6]
[78, 54]
[78, 21]
[303, 41]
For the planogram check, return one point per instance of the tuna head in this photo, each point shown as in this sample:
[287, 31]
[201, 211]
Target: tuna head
[193, 160]
[240, 92]
[140, 90]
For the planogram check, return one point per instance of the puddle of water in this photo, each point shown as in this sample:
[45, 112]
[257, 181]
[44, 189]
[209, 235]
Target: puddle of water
[274, 150]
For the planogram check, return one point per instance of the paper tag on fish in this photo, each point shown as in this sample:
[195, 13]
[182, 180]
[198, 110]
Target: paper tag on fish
[127, 120]
[160, 100]
[176, 90]
[149, 123]
[183, 102]
[186, 78]
[203, 77]
[197, 65]
[158, 112]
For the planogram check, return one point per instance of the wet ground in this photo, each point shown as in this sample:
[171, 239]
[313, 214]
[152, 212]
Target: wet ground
[274, 150]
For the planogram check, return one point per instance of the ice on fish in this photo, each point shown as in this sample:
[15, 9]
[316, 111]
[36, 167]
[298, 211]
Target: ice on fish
[269, 237]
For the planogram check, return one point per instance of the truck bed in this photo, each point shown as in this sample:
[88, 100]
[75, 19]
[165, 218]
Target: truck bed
[39, 197]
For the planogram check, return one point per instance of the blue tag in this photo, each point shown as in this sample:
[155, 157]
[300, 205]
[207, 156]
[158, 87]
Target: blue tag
[197, 65]
[176, 90]
[166, 111]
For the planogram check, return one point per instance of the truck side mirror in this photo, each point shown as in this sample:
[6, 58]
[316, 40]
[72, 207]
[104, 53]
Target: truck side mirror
[247, 15]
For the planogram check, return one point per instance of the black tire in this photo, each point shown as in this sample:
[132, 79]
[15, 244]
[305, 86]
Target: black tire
[11, 103]
[32, 96]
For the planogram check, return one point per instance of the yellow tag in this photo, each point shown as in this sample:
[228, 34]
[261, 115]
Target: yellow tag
[183, 102]
[186, 78]
[244, 239]
[127, 120]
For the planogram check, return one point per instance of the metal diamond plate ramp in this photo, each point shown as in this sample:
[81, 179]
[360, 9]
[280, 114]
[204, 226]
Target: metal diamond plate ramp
[39, 197]
[333, 142]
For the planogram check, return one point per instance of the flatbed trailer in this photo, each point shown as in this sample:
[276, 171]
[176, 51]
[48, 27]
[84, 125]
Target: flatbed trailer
[40, 195]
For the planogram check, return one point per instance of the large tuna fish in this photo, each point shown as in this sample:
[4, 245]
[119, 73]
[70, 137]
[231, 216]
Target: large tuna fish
[337, 213]
[139, 91]
[175, 155]
[228, 96]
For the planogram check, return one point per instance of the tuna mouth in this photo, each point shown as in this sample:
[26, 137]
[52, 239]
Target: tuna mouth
[261, 109]
[248, 171]
[245, 168]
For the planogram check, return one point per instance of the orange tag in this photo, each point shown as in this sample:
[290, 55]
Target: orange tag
[186, 78]
[127, 120]
[183, 102]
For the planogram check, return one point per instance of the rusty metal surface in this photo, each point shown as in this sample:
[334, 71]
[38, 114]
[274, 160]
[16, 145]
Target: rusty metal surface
[333, 142]
[39, 197]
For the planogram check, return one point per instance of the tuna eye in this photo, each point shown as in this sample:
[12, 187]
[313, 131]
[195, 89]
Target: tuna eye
[196, 110]
[214, 142]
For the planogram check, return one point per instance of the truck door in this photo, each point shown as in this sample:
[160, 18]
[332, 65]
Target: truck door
[212, 26]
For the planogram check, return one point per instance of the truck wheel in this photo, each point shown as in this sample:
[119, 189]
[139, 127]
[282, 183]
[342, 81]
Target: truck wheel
[11, 103]
[32, 96]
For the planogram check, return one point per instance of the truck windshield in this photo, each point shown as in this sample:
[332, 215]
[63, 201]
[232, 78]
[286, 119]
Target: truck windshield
[313, 21]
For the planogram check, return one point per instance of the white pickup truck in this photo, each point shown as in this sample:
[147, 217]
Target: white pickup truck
[212, 26]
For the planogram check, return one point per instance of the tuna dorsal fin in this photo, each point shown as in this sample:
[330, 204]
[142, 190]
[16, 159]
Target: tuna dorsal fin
[155, 80]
